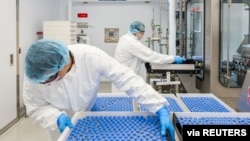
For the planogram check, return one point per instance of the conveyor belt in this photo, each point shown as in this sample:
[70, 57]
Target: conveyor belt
[187, 67]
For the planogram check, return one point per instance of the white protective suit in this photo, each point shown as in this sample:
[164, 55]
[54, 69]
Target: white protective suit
[132, 53]
[79, 87]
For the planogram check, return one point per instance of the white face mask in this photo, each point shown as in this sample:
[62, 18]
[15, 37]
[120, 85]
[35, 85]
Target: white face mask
[139, 35]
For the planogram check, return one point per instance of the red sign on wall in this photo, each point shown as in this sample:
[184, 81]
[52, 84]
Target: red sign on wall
[82, 15]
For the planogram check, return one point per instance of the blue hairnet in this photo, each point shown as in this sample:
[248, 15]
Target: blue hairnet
[137, 26]
[44, 59]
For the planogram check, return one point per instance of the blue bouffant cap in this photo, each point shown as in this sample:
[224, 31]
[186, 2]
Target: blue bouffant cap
[44, 59]
[137, 26]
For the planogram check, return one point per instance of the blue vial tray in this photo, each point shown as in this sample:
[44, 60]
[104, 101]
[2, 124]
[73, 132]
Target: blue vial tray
[208, 118]
[203, 103]
[113, 126]
[174, 104]
[113, 102]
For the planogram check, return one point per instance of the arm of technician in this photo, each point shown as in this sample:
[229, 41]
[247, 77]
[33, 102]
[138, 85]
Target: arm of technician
[126, 80]
[139, 50]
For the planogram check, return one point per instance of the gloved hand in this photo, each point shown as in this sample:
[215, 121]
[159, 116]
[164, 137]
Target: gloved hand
[178, 60]
[63, 121]
[166, 124]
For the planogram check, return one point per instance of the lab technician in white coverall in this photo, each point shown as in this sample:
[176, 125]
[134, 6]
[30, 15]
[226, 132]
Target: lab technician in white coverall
[60, 80]
[132, 53]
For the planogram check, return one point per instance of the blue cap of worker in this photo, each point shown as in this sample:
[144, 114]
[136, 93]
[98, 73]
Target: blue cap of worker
[44, 59]
[136, 26]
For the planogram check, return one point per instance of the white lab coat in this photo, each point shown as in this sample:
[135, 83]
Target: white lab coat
[79, 87]
[132, 53]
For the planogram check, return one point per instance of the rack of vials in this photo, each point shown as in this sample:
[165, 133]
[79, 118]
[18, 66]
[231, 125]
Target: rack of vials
[117, 117]
[174, 104]
[114, 126]
[114, 102]
[122, 102]
[205, 102]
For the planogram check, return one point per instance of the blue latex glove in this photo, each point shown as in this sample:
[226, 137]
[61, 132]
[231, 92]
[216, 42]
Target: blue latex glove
[63, 121]
[178, 60]
[166, 124]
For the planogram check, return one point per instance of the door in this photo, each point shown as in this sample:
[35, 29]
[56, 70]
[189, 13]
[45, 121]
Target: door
[8, 85]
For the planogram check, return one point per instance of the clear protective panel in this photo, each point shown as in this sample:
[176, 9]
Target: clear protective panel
[195, 32]
[235, 42]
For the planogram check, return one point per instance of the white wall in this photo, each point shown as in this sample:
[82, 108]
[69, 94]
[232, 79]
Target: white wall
[103, 15]
[31, 14]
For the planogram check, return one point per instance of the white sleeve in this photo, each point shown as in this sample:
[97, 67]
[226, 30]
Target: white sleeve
[147, 55]
[126, 80]
[38, 110]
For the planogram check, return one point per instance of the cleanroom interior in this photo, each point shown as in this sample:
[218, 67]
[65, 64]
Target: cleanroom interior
[213, 36]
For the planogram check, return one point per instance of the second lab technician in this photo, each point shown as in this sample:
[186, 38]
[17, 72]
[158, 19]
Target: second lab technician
[132, 53]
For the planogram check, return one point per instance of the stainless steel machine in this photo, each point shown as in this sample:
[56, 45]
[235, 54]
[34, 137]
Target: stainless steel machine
[222, 36]
[168, 75]
[217, 32]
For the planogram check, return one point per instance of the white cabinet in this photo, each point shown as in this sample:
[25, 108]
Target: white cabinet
[60, 30]
[8, 63]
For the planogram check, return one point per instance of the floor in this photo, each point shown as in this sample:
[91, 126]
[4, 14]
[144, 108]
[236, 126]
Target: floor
[25, 130]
